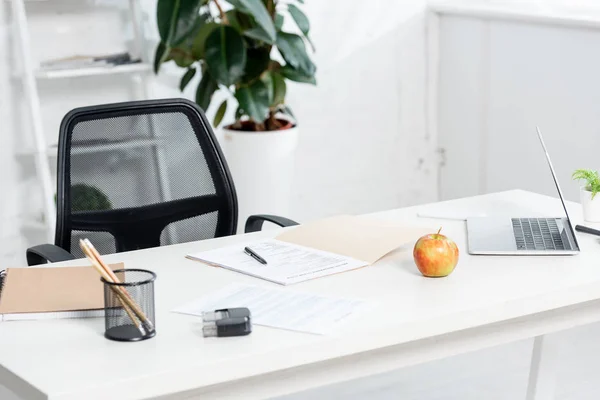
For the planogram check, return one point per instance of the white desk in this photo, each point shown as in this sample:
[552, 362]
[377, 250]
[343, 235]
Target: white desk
[487, 301]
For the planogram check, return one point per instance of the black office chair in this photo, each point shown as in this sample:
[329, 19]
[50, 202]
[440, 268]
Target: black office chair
[140, 174]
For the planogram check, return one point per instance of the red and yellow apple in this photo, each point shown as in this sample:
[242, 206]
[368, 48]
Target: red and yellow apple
[435, 255]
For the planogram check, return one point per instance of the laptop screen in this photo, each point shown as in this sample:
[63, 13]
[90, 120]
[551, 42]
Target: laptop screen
[562, 200]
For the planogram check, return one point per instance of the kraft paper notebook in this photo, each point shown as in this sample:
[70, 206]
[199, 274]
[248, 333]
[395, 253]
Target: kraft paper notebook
[51, 292]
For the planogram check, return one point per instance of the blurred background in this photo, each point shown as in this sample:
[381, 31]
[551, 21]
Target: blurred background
[363, 144]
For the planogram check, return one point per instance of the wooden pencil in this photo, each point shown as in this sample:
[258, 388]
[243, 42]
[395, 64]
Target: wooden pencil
[147, 323]
[98, 267]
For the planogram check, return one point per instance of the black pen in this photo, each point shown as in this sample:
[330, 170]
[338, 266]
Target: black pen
[585, 229]
[252, 254]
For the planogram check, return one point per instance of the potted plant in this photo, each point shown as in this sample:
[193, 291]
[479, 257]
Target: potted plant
[241, 47]
[589, 201]
[86, 197]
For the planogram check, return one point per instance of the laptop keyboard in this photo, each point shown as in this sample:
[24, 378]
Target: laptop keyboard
[538, 234]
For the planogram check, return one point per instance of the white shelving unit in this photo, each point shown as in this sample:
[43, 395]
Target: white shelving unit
[30, 74]
[81, 72]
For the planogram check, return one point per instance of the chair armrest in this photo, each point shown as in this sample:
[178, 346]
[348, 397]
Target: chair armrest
[254, 223]
[45, 253]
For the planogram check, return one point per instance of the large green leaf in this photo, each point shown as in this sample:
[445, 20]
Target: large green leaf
[301, 21]
[288, 111]
[257, 9]
[246, 24]
[239, 21]
[225, 55]
[220, 113]
[182, 57]
[166, 17]
[199, 42]
[258, 33]
[254, 100]
[160, 56]
[205, 91]
[292, 49]
[278, 22]
[183, 53]
[297, 76]
[176, 19]
[232, 18]
[257, 61]
[279, 89]
[300, 18]
[186, 78]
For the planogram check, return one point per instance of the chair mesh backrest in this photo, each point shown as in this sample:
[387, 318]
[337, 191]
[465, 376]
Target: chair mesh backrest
[141, 174]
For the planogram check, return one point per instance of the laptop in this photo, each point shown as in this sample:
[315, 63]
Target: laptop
[523, 236]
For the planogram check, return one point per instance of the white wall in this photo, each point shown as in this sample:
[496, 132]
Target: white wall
[10, 240]
[500, 78]
[362, 144]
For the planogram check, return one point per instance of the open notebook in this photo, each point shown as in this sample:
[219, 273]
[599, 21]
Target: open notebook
[51, 292]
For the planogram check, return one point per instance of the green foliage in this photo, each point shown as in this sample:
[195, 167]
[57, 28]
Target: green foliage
[220, 113]
[199, 42]
[302, 22]
[254, 100]
[185, 79]
[279, 88]
[205, 90]
[225, 55]
[297, 76]
[258, 11]
[278, 21]
[160, 56]
[231, 43]
[293, 51]
[88, 198]
[176, 19]
[591, 179]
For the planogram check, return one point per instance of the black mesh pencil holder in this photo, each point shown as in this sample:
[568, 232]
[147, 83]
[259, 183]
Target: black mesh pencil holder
[129, 305]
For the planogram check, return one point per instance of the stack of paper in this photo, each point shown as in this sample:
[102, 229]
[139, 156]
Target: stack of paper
[279, 308]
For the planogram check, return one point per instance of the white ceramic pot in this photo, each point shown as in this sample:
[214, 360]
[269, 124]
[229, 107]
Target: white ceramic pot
[262, 166]
[591, 207]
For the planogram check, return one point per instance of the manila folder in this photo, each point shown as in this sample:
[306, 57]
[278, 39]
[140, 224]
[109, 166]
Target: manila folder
[362, 238]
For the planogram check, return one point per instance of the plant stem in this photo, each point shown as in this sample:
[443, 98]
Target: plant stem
[272, 123]
[271, 8]
[181, 52]
[223, 15]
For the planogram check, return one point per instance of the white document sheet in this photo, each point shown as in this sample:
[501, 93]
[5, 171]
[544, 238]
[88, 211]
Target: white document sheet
[287, 263]
[280, 308]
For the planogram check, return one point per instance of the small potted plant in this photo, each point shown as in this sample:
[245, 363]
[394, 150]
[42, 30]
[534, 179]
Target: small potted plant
[242, 48]
[591, 187]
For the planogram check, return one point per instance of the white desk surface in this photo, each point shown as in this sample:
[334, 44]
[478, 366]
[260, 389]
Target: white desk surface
[417, 319]
[571, 15]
